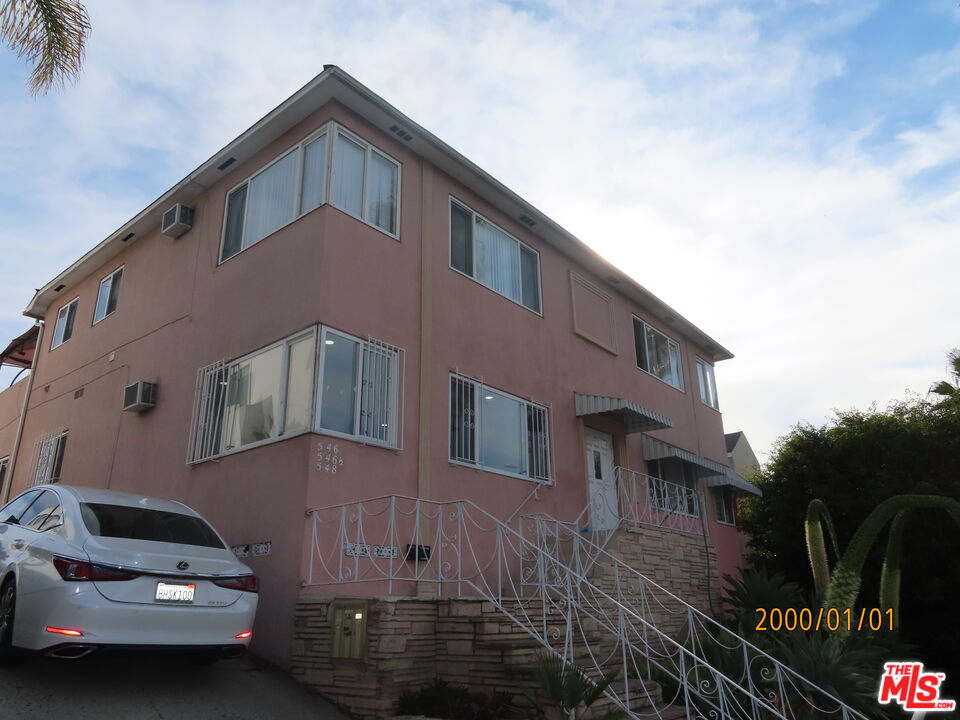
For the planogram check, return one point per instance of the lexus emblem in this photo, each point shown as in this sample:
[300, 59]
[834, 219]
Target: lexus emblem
[183, 565]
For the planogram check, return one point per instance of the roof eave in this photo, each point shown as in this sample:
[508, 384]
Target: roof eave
[375, 109]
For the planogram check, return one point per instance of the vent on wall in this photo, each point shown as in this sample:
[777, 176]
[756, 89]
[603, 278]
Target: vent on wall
[528, 221]
[177, 220]
[140, 396]
[401, 133]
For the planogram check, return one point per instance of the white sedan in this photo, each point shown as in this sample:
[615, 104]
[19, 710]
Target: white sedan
[82, 569]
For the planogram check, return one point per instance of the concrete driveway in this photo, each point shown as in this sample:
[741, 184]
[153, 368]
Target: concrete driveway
[166, 688]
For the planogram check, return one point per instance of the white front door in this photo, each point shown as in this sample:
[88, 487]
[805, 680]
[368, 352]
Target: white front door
[601, 483]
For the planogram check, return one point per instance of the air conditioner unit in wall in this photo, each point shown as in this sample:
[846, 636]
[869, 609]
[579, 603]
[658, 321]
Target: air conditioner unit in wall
[177, 220]
[140, 396]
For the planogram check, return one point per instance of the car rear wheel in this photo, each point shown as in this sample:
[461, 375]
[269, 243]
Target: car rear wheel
[8, 606]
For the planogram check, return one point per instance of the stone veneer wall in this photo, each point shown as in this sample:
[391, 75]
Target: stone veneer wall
[466, 641]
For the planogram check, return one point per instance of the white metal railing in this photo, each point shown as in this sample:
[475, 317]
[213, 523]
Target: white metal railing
[615, 618]
[647, 500]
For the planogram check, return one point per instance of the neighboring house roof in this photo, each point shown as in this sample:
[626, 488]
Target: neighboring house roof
[335, 84]
[20, 350]
[732, 440]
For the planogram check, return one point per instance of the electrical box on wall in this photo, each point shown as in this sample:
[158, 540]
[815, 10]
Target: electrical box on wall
[349, 631]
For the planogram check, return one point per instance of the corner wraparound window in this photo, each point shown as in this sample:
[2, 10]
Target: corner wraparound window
[495, 431]
[63, 330]
[271, 393]
[657, 354]
[256, 398]
[708, 384]
[358, 394]
[331, 166]
[50, 459]
[108, 295]
[492, 257]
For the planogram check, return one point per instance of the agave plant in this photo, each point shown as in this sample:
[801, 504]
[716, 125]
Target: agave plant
[840, 588]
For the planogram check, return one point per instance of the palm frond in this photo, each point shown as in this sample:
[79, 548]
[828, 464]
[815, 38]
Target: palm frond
[51, 34]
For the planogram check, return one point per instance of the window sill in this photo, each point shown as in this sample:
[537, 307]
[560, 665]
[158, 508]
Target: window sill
[357, 439]
[657, 377]
[250, 446]
[494, 471]
[728, 524]
[705, 404]
[97, 322]
[496, 292]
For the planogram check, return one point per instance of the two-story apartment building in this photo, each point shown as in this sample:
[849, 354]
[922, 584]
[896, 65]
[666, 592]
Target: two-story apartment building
[347, 308]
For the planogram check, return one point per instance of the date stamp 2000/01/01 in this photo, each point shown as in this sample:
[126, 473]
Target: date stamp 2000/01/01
[832, 619]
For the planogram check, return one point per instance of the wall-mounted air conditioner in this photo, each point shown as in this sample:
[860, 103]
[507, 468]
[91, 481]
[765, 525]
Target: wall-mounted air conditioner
[140, 396]
[177, 220]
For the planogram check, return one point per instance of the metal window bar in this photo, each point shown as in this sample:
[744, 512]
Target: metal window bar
[50, 451]
[208, 406]
[463, 419]
[380, 392]
[538, 444]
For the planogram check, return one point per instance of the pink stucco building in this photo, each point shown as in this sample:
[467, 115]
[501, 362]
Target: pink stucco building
[346, 308]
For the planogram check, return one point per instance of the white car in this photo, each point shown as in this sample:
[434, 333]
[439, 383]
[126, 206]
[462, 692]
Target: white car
[82, 568]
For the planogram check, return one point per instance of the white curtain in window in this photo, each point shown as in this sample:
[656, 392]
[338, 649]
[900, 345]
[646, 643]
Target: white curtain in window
[270, 199]
[382, 193]
[314, 170]
[347, 190]
[497, 259]
[252, 403]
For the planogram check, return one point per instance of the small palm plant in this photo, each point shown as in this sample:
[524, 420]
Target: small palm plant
[567, 693]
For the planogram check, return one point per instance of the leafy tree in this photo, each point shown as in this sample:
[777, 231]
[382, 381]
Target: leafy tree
[854, 463]
[51, 34]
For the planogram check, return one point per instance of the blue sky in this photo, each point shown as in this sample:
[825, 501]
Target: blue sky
[784, 173]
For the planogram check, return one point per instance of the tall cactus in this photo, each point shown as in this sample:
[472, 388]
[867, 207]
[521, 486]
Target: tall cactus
[844, 583]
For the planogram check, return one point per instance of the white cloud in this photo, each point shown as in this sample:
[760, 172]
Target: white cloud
[677, 138]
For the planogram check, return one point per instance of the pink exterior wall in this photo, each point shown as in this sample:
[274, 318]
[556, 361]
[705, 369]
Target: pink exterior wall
[180, 310]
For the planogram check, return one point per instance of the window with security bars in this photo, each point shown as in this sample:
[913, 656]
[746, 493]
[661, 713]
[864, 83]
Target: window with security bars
[50, 459]
[495, 431]
[358, 394]
[256, 398]
[271, 393]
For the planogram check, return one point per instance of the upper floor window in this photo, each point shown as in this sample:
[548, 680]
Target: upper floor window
[496, 431]
[63, 330]
[491, 256]
[50, 459]
[4, 464]
[108, 294]
[708, 384]
[333, 166]
[271, 393]
[657, 354]
[725, 504]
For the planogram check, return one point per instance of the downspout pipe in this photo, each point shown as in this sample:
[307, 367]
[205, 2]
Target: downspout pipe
[23, 415]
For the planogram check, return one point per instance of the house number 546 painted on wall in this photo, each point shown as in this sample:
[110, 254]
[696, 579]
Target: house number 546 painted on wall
[329, 459]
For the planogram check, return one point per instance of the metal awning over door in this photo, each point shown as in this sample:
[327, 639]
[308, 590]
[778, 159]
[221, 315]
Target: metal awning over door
[635, 418]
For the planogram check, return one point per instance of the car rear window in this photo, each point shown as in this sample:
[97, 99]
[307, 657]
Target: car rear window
[121, 521]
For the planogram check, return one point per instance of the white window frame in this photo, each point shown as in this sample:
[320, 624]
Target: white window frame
[48, 449]
[478, 387]
[720, 499]
[680, 384]
[4, 469]
[705, 373]
[96, 305]
[53, 340]
[455, 201]
[194, 457]
[395, 440]
[331, 129]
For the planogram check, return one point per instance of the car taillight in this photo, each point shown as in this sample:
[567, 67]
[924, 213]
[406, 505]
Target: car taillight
[244, 582]
[81, 571]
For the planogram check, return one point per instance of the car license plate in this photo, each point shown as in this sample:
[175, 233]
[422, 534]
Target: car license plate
[175, 593]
